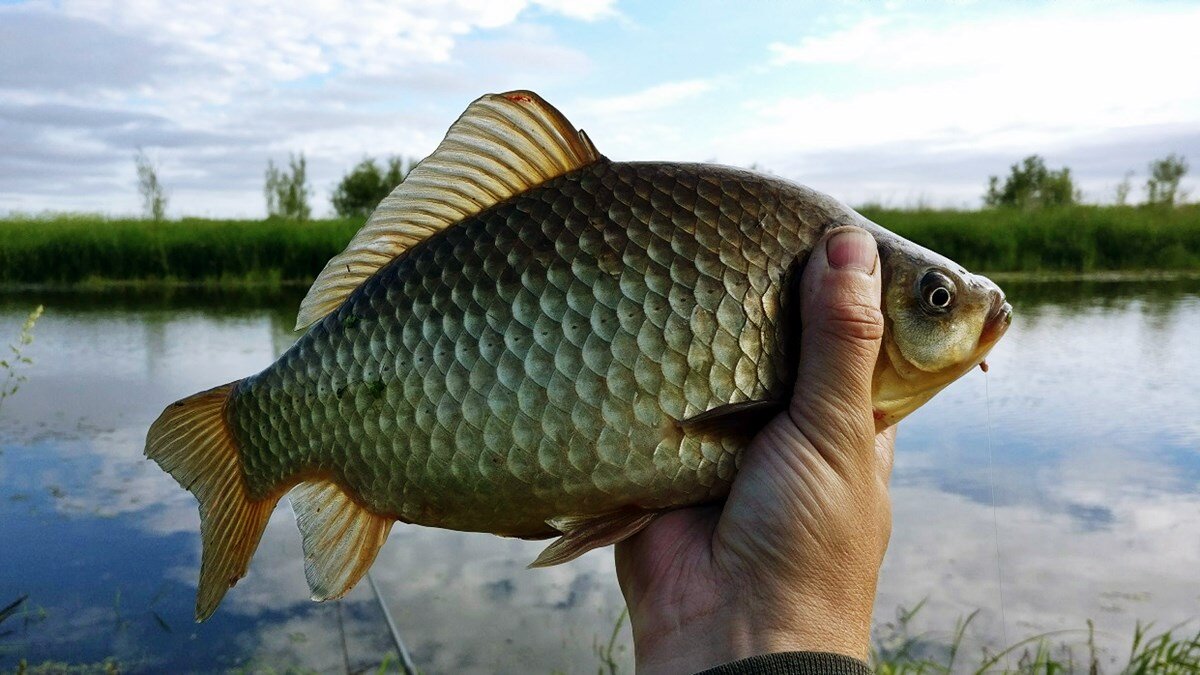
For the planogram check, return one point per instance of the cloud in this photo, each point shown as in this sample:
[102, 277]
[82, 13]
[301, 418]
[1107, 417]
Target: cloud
[1049, 77]
[218, 88]
[587, 10]
[646, 100]
[958, 88]
[99, 57]
[275, 42]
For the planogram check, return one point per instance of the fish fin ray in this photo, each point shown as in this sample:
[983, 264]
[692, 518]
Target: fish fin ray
[734, 419]
[192, 441]
[581, 534]
[341, 538]
[501, 146]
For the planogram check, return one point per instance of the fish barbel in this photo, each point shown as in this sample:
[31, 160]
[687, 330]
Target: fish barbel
[531, 340]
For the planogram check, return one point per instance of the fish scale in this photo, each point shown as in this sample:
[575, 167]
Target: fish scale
[525, 363]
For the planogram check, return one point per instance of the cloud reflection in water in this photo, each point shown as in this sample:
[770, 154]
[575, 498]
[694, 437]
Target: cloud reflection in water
[1097, 468]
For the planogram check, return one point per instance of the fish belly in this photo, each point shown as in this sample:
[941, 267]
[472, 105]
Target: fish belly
[534, 360]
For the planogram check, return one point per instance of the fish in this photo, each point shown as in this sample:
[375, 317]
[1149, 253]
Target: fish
[528, 339]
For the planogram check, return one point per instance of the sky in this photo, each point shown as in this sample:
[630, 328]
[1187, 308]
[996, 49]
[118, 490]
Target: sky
[898, 103]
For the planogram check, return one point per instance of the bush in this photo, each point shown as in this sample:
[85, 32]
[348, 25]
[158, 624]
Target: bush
[1031, 185]
[366, 185]
[1163, 187]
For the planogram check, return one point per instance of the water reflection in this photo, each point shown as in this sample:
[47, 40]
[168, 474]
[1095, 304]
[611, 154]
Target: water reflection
[1096, 464]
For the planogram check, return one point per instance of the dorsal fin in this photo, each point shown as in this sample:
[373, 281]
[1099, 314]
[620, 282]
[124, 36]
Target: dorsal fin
[504, 144]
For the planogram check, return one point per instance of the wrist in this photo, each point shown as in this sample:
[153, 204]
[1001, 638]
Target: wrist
[742, 629]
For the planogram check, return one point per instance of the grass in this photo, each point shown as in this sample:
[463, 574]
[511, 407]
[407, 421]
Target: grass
[1077, 239]
[77, 249]
[74, 250]
[896, 651]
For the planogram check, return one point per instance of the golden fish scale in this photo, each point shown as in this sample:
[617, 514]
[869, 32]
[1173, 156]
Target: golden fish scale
[532, 360]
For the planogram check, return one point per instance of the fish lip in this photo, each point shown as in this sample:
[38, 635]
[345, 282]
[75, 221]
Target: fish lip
[997, 321]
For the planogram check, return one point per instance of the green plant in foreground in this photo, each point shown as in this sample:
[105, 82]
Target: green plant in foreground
[607, 652]
[11, 365]
[896, 651]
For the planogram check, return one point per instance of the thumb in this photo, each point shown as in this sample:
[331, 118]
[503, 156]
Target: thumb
[842, 326]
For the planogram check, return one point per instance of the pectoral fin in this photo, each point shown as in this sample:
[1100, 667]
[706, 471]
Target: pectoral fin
[581, 534]
[735, 419]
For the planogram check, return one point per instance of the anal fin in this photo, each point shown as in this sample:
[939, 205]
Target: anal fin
[341, 537]
[581, 534]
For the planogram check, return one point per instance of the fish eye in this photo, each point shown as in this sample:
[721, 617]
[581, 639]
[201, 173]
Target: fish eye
[937, 292]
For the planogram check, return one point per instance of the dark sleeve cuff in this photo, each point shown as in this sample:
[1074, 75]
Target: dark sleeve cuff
[793, 663]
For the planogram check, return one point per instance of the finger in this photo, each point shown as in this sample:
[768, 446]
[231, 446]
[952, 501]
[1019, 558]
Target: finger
[840, 338]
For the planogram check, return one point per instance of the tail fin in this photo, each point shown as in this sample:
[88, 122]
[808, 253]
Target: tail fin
[192, 441]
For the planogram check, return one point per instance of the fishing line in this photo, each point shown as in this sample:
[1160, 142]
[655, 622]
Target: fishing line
[406, 662]
[987, 396]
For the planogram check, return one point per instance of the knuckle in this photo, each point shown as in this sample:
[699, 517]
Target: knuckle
[855, 321]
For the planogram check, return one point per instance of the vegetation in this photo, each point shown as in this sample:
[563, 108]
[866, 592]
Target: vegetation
[11, 365]
[359, 191]
[1071, 239]
[68, 250]
[896, 651]
[154, 196]
[1163, 187]
[1030, 185]
[287, 192]
[1124, 188]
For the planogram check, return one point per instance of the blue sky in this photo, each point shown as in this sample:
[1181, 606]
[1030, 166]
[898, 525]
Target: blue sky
[896, 102]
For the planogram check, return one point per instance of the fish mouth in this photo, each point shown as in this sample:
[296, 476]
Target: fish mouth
[997, 322]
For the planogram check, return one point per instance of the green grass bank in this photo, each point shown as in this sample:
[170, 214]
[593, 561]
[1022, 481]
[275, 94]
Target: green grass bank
[1078, 239]
[75, 249]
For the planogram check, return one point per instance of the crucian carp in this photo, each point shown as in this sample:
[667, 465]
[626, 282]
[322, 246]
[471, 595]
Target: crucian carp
[528, 339]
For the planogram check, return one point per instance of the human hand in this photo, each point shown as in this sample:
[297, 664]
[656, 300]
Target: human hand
[790, 562]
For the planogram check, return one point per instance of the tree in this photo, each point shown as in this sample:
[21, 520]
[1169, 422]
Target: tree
[287, 191]
[1123, 189]
[366, 185]
[1031, 185]
[154, 197]
[1163, 187]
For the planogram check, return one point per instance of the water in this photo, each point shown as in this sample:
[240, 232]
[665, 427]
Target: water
[1096, 434]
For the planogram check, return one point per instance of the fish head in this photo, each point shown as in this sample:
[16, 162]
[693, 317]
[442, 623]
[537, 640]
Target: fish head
[940, 321]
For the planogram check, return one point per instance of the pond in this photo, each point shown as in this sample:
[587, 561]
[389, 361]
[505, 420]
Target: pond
[1092, 454]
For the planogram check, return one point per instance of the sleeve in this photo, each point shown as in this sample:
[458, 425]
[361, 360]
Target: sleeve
[793, 663]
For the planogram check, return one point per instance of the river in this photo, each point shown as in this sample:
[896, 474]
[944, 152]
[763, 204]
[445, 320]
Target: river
[1079, 500]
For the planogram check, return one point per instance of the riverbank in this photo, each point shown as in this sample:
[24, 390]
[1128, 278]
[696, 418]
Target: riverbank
[1073, 240]
[93, 250]
[88, 250]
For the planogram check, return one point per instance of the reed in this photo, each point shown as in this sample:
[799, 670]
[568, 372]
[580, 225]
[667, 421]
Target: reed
[78, 248]
[1068, 239]
[75, 249]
